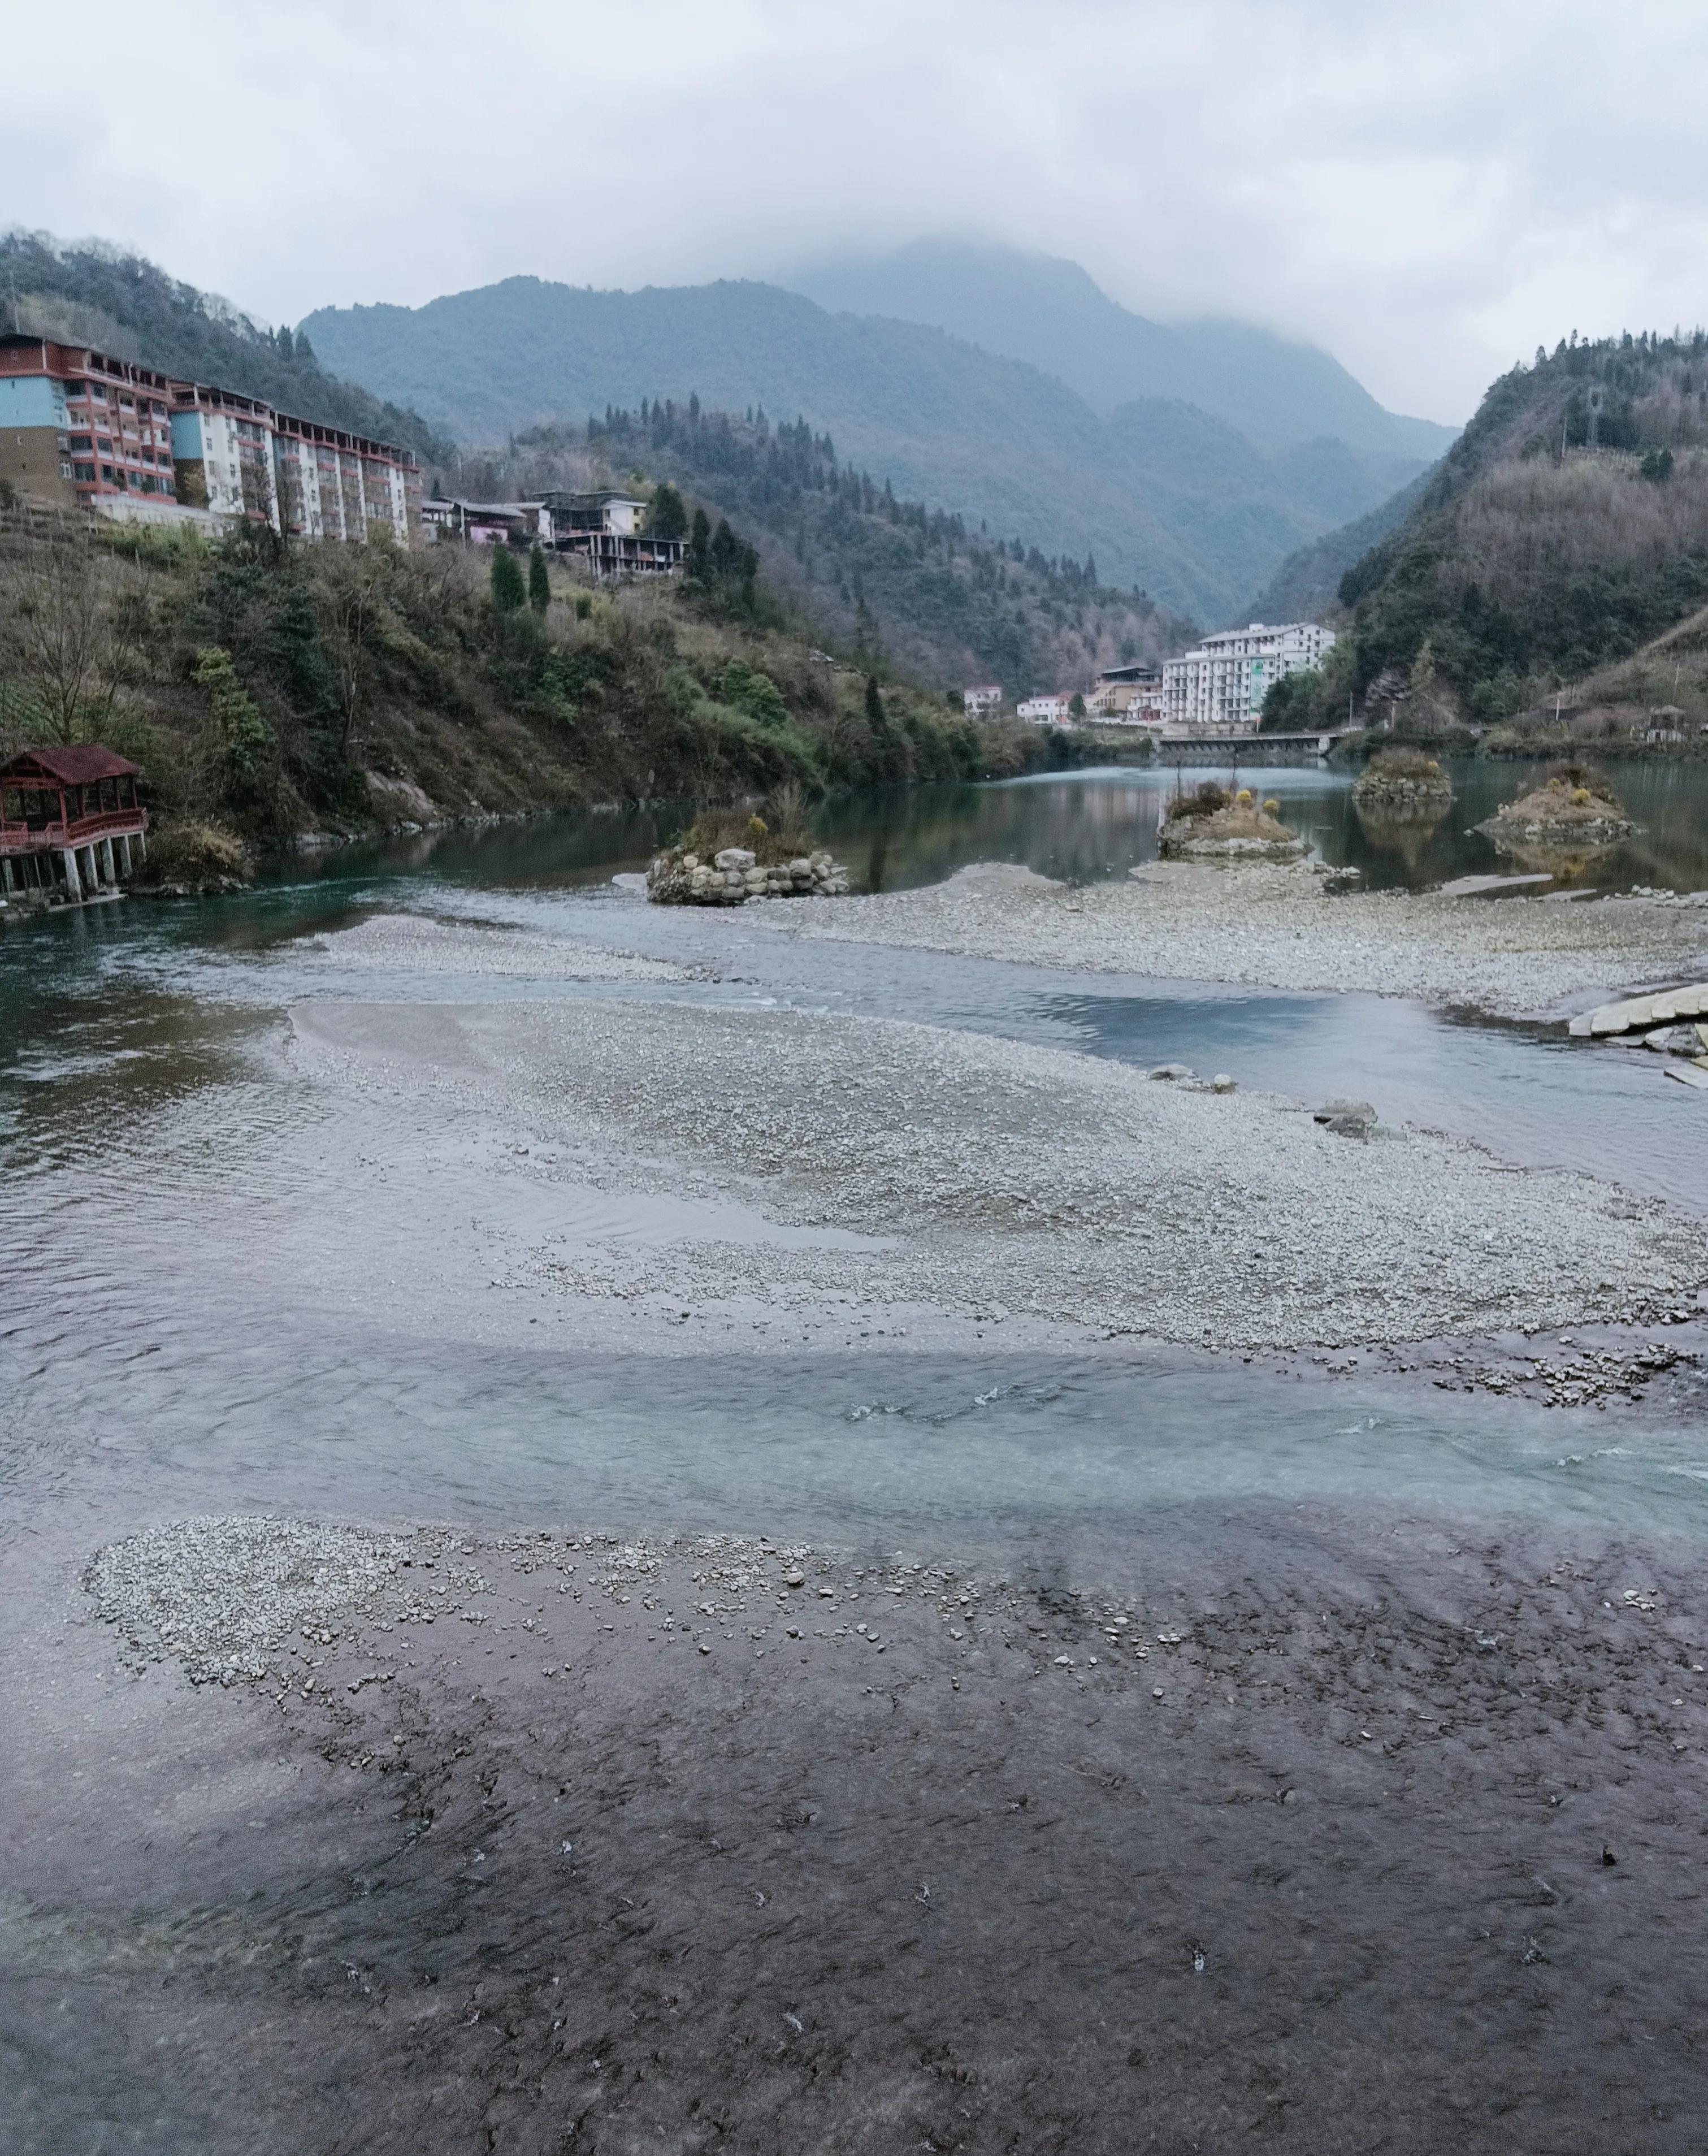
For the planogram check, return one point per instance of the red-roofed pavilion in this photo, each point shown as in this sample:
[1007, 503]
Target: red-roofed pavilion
[70, 818]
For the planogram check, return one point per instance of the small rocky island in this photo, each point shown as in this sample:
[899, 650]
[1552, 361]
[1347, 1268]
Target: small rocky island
[1213, 825]
[1402, 781]
[735, 874]
[1573, 808]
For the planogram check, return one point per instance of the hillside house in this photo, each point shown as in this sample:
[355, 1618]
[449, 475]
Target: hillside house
[978, 703]
[604, 528]
[1052, 711]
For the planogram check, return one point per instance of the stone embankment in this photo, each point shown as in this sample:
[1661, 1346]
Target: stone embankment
[734, 876]
[1399, 793]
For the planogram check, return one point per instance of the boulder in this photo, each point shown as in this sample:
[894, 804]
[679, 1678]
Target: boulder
[1347, 1119]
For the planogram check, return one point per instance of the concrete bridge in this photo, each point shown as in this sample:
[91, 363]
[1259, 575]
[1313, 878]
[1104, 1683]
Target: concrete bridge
[1230, 747]
[1243, 748]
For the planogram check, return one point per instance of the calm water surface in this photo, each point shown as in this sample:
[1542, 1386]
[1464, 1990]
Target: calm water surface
[166, 1342]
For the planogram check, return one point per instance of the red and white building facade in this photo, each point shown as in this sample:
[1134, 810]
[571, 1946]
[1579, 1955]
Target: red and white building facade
[80, 429]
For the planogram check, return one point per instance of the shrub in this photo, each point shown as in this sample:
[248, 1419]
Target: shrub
[1403, 763]
[190, 851]
[780, 834]
[1205, 801]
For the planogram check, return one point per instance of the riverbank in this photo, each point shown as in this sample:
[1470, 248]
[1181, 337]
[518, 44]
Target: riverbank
[1272, 926]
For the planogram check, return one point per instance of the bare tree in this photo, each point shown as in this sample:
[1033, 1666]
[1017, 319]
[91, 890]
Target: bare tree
[349, 601]
[68, 645]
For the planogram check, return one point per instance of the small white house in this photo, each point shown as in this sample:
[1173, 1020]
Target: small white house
[977, 702]
[1045, 710]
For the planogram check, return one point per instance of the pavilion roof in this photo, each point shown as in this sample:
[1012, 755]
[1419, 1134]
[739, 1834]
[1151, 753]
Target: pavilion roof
[79, 764]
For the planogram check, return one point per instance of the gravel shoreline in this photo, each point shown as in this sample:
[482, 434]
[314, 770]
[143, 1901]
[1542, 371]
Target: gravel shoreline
[1271, 927]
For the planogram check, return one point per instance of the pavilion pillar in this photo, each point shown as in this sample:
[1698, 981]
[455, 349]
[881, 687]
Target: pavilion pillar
[7, 881]
[107, 862]
[90, 867]
[74, 881]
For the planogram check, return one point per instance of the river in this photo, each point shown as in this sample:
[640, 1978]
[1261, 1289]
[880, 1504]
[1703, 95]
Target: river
[158, 1150]
[598, 1868]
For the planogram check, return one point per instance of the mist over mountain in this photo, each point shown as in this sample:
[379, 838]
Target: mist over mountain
[1049, 312]
[1171, 498]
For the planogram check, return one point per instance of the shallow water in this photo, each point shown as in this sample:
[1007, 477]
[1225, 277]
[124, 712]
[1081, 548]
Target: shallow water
[207, 1305]
[224, 1289]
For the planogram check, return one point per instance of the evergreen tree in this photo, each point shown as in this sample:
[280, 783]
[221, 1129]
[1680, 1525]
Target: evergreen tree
[1076, 705]
[726, 552]
[874, 702]
[539, 581]
[668, 518]
[509, 592]
[699, 558]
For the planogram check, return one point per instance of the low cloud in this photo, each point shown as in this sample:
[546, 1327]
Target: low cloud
[1429, 196]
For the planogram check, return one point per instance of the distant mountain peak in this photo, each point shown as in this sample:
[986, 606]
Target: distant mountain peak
[1051, 312]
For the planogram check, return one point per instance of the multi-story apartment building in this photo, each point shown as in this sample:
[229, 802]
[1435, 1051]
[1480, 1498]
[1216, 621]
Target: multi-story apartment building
[79, 429]
[239, 457]
[1220, 685]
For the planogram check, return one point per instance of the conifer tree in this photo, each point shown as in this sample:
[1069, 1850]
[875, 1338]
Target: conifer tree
[509, 592]
[668, 518]
[539, 581]
[698, 559]
[875, 701]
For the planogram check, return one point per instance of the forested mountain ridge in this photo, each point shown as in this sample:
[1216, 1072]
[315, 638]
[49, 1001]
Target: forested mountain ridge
[1307, 585]
[1172, 500]
[127, 306]
[1278, 393]
[1564, 529]
[882, 576]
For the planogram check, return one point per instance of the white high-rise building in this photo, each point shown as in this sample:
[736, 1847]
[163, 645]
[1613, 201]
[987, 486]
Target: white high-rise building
[1221, 684]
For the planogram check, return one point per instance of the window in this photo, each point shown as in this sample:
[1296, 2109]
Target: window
[108, 475]
[82, 442]
[65, 471]
[83, 471]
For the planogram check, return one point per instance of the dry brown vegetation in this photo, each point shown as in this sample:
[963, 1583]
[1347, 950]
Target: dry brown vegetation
[276, 687]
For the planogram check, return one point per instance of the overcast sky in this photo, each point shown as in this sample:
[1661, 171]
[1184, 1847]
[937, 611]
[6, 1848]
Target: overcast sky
[1426, 192]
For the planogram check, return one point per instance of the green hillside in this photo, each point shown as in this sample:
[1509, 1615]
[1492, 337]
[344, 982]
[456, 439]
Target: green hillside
[271, 688]
[1171, 501]
[1307, 585]
[1566, 530]
[127, 306]
[880, 575]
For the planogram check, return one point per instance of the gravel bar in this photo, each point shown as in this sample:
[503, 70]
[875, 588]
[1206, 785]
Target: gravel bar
[1033, 1180]
[1271, 927]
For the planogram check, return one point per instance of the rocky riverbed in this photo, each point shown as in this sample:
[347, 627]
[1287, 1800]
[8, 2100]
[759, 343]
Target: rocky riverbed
[1273, 927]
[1095, 1778]
[691, 1841]
[963, 1172]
